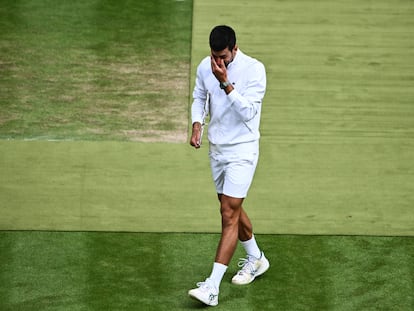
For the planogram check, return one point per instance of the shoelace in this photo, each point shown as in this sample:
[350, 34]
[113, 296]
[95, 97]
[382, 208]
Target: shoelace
[246, 266]
[204, 285]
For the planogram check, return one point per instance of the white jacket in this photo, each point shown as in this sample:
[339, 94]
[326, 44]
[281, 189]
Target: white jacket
[234, 118]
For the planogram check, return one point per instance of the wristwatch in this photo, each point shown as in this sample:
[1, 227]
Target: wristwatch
[223, 85]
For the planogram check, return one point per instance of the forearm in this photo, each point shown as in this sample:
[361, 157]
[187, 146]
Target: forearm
[197, 111]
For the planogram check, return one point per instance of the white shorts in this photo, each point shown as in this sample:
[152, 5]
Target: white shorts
[233, 167]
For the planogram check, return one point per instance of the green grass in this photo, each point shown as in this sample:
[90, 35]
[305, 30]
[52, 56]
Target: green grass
[337, 145]
[338, 124]
[336, 155]
[94, 70]
[95, 186]
[337, 119]
[141, 271]
[338, 72]
[111, 186]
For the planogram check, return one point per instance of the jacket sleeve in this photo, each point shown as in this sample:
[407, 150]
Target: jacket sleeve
[247, 104]
[199, 99]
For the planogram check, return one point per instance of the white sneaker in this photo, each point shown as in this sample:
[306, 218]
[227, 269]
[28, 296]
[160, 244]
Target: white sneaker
[206, 292]
[251, 267]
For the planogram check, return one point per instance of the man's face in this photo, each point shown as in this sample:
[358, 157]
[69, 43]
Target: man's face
[226, 56]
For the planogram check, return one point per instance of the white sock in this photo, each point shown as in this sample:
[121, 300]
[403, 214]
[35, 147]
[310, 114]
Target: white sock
[218, 273]
[251, 247]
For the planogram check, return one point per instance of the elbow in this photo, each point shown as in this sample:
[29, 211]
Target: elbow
[250, 115]
[251, 111]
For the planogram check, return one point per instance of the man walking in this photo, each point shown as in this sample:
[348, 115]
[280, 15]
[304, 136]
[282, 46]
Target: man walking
[234, 85]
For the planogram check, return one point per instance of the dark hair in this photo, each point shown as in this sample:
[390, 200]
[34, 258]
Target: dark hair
[222, 37]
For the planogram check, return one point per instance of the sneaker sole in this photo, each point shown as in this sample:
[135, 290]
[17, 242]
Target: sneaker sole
[200, 300]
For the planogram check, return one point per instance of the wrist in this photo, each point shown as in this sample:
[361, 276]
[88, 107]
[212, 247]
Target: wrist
[196, 126]
[224, 85]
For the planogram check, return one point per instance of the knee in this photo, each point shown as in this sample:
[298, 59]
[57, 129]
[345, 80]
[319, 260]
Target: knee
[229, 214]
[226, 211]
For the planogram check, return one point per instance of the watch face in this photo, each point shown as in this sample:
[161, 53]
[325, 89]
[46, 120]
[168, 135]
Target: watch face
[223, 85]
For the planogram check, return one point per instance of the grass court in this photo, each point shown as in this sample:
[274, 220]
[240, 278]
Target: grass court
[104, 205]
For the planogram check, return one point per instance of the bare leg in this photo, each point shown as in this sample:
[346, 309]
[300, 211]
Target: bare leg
[230, 209]
[245, 226]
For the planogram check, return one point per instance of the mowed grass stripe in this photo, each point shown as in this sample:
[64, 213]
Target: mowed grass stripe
[95, 70]
[113, 186]
[105, 186]
[338, 120]
[130, 271]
